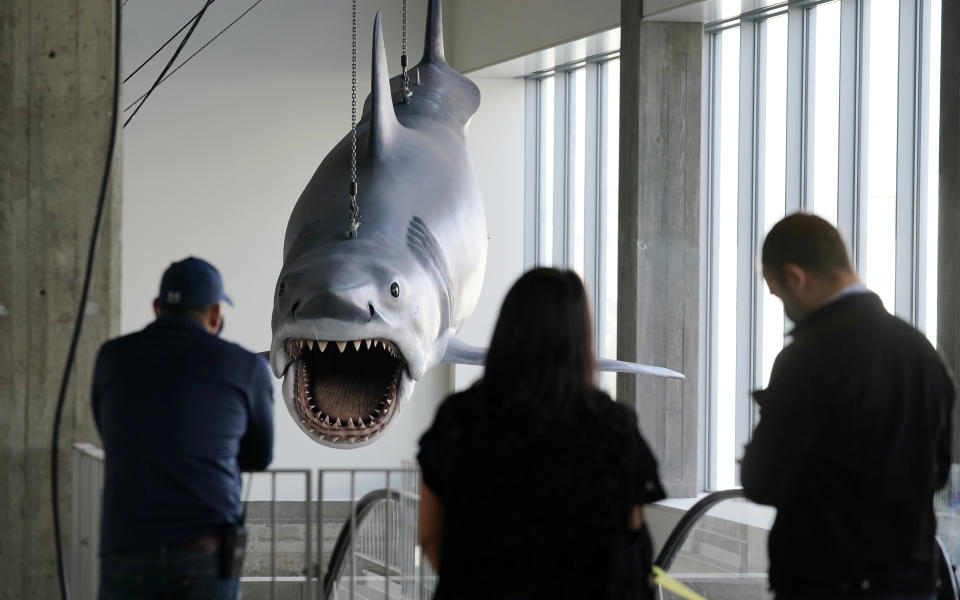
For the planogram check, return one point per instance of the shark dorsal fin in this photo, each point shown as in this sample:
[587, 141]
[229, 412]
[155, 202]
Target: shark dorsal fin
[433, 39]
[383, 124]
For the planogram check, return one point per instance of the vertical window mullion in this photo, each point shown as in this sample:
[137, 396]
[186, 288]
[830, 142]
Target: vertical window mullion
[561, 170]
[748, 201]
[710, 237]
[797, 192]
[532, 158]
[851, 213]
[593, 203]
[911, 203]
[546, 134]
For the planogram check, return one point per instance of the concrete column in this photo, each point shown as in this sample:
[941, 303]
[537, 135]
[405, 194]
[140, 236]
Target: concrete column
[659, 234]
[948, 274]
[56, 78]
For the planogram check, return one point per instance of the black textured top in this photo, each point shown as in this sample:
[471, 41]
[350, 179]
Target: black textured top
[534, 507]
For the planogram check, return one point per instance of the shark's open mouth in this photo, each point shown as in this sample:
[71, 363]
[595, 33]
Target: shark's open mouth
[346, 391]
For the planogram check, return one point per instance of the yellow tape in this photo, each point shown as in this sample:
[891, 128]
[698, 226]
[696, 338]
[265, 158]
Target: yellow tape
[660, 577]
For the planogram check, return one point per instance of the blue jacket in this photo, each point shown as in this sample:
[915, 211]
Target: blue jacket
[181, 412]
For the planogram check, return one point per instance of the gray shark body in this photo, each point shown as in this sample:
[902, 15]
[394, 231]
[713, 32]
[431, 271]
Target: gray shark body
[392, 296]
[356, 322]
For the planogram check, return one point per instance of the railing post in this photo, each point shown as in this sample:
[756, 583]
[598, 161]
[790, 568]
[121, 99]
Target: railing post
[308, 533]
[77, 576]
[353, 530]
[273, 535]
[321, 581]
[389, 527]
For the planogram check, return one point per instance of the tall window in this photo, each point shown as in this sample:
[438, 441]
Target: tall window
[826, 106]
[573, 131]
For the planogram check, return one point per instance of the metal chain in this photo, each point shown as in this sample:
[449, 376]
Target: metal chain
[406, 90]
[353, 223]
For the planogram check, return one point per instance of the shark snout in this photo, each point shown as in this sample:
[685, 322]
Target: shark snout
[354, 305]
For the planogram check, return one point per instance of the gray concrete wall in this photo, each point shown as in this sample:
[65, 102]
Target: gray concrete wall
[948, 282]
[56, 77]
[659, 234]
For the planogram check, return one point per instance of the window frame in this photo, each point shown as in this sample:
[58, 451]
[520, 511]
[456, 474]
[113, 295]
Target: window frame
[913, 131]
[595, 192]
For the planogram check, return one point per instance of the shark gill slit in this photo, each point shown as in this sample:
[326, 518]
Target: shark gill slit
[426, 249]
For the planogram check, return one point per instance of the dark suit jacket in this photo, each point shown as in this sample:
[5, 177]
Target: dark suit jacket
[853, 441]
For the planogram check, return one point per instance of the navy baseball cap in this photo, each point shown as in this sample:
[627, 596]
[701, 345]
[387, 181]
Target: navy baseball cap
[192, 282]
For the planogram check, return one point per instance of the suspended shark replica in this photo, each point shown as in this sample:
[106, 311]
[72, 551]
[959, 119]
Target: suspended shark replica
[360, 315]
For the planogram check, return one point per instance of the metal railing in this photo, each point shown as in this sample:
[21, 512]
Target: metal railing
[356, 537]
[86, 484]
[376, 550]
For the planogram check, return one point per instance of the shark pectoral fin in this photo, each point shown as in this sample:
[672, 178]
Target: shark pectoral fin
[606, 364]
[462, 353]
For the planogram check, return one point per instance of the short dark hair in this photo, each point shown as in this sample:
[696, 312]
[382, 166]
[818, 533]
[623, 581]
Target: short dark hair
[182, 310]
[541, 354]
[809, 242]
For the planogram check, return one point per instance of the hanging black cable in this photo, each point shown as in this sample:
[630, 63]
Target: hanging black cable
[165, 44]
[71, 354]
[199, 50]
[173, 59]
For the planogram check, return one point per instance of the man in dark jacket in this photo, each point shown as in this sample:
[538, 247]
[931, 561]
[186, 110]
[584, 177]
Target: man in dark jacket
[854, 432]
[180, 412]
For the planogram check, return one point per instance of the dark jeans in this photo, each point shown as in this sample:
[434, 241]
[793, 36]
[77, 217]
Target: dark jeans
[164, 574]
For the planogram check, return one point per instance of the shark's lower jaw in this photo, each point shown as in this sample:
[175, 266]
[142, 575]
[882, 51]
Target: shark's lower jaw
[345, 392]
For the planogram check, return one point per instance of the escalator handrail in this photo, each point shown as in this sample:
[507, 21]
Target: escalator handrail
[679, 534]
[340, 548]
[950, 589]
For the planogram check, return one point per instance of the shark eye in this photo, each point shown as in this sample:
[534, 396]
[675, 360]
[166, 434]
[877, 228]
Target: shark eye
[395, 290]
[283, 286]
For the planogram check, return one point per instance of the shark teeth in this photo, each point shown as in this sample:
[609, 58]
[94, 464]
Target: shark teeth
[297, 347]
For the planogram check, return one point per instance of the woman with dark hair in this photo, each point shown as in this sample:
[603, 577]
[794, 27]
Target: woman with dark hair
[533, 479]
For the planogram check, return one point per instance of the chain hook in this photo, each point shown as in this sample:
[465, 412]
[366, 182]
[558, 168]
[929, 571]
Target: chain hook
[406, 90]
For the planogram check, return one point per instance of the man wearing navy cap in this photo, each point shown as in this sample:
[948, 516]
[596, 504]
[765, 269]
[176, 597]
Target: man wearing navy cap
[181, 413]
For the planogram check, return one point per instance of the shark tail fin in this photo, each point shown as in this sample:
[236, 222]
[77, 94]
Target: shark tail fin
[462, 353]
[433, 37]
[454, 97]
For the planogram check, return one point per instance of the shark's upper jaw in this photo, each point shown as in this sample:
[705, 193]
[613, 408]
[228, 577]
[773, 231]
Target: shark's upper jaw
[345, 392]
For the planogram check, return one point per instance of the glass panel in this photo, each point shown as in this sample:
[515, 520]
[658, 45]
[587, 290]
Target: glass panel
[545, 172]
[773, 159]
[825, 82]
[726, 123]
[880, 144]
[611, 140]
[933, 170]
[578, 151]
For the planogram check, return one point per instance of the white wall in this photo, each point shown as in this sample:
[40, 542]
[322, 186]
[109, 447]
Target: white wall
[216, 159]
[496, 144]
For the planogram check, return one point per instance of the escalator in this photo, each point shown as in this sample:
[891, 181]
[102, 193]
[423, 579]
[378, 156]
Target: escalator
[716, 549]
